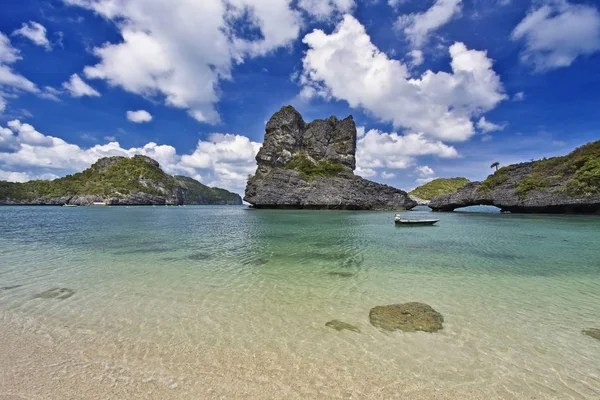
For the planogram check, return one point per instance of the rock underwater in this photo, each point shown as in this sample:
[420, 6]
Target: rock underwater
[310, 165]
[408, 317]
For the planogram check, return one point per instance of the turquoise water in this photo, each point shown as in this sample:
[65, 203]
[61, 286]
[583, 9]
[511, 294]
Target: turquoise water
[197, 300]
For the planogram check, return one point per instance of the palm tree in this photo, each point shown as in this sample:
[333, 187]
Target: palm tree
[496, 164]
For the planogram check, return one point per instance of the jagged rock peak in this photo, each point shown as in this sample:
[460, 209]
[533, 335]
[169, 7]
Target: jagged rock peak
[287, 134]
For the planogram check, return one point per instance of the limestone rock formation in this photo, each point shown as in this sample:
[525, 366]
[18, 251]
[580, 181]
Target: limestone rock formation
[310, 165]
[408, 317]
[568, 184]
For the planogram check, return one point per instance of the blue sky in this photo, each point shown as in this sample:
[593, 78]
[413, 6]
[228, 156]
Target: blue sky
[439, 88]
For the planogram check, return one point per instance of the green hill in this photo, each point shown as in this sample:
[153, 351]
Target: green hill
[197, 193]
[438, 187]
[117, 180]
[577, 174]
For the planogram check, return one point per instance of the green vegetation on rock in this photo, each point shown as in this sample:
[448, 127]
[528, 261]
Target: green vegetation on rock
[310, 170]
[113, 176]
[576, 174]
[438, 187]
[497, 178]
[202, 194]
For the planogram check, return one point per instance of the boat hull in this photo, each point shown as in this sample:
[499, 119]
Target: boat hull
[416, 222]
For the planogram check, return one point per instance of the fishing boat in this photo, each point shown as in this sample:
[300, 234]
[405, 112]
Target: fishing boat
[413, 222]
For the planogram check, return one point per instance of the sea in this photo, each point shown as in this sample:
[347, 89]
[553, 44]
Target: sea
[228, 302]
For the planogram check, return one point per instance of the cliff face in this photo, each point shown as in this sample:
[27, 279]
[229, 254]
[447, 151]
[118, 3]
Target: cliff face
[310, 165]
[568, 184]
[114, 181]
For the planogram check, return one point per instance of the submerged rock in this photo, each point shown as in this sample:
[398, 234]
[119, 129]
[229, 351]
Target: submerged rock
[310, 165]
[340, 326]
[342, 274]
[408, 317]
[11, 287]
[56, 293]
[200, 256]
[592, 332]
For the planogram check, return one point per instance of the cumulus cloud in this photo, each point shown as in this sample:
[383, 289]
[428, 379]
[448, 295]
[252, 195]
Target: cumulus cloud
[78, 88]
[520, 96]
[417, 27]
[35, 32]
[139, 116]
[223, 160]
[486, 126]
[440, 105]
[229, 157]
[378, 149]
[11, 83]
[557, 33]
[388, 175]
[323, 9]
[165, 52]
[424, 174]
[416, 58]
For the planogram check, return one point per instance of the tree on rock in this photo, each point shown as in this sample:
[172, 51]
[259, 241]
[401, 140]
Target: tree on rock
[495, 165]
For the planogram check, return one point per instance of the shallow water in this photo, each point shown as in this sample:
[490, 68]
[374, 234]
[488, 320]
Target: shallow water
[190, 302]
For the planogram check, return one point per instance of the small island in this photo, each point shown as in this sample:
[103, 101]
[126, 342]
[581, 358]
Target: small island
[311, 166]
[567, 184]
[437, 187]
[116, 181]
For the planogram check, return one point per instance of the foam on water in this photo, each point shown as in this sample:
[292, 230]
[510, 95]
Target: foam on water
[223, 301]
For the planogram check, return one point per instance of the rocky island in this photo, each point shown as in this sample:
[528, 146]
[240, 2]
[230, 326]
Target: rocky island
[567, 184]
[116, 181]
[310, 166]
[437, 187]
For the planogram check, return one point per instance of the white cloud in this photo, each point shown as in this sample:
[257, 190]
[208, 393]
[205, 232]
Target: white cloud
[417, 27]
[229, 158]
[78, 88]
[425, 174]
[167, 52]
[35, 32]
[396, 3]
[486, 126]
[12, 176]
[323, 9]
[557, 33]
[8, 54]
[390, 150]
[11, 82]
[416, 58]
[388, 175]
[440, 105]
[424, 170]
[224, 160]
[520, 96]
[365, 172]
[139, 116]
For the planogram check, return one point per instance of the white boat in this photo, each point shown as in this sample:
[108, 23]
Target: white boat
[413, 222]
[69, 205]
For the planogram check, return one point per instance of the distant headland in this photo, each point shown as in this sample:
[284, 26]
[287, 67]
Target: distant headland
[116, 181]
[567, 184]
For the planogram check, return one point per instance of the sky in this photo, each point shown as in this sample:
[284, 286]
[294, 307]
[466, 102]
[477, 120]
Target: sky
[437, 88]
